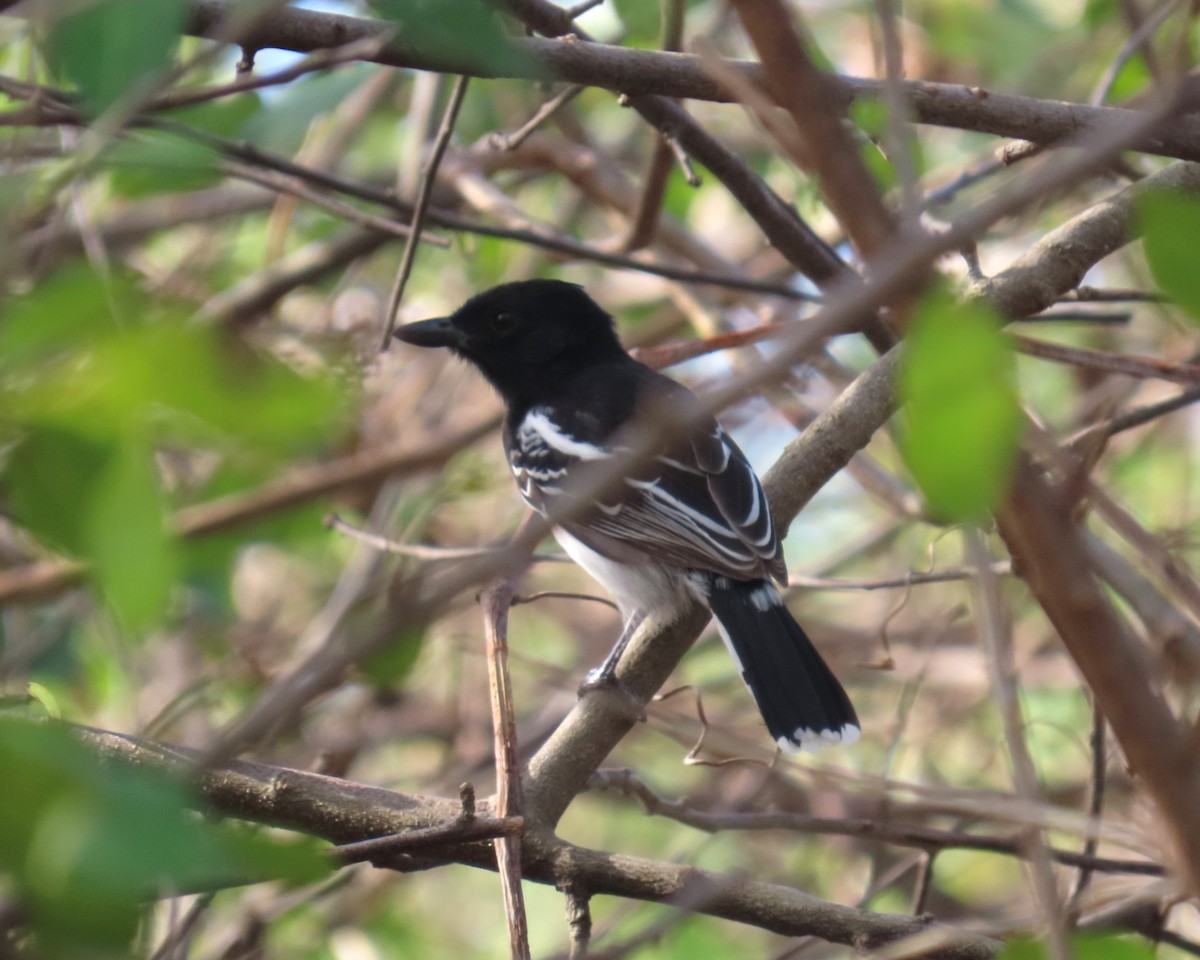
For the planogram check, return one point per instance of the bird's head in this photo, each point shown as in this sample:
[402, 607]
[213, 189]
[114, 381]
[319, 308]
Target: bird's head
[523, 333]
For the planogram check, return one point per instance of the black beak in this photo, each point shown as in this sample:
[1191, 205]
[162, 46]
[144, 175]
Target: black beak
[439, 332]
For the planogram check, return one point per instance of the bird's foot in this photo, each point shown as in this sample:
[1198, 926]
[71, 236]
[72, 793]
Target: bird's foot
[603, 677]
[600, 679]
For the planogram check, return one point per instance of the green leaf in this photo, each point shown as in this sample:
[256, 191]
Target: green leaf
[86, 842]
[220, 382]
[47, 481]
[642, 23]
[70, 309]
[134, 557]
[963, 421]
[1170, 222]
[1085, 946]
[223, 118]
[160, 163]
[102, 503]
[261, 856]
[464, 30]
[191, 383]
[1108, 946]
[880, 167]
[282, 128]
[41, 693]
[105, 46]
[93, 374]
[871, 116]
[1133, 78]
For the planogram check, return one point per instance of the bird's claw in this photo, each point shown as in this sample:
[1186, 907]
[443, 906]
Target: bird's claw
[598, 678]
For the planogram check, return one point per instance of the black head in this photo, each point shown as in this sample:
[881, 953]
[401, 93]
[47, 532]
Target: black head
[523, 336]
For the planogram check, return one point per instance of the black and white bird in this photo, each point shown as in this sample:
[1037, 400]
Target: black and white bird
[692, 522]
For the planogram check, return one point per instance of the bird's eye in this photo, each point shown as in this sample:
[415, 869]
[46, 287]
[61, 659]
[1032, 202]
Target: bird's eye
[503, 323]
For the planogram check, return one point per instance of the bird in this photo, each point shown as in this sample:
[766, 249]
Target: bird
[691, 522]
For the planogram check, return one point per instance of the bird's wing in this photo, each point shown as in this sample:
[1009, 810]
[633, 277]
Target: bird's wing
[697, 505]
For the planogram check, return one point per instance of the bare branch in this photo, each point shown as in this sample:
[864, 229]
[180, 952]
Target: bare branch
[886, 831]
[494, 603]
[344, 812]
[643, 72]
[421, 207]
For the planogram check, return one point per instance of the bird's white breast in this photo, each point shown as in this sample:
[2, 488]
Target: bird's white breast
[646, 588]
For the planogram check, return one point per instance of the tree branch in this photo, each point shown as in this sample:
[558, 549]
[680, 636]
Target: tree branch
[645, 72]
[344, 812]
[886, 831]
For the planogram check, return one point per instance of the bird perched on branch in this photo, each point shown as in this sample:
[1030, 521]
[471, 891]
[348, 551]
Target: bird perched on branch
[687, 521]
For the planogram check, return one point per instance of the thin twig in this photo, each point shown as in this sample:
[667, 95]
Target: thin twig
[897, 832]
[1131, 419]
[678, 75]
[420, 550]
[560, 595]
[495, 602]
[1096, 784]
[1092, 295]
[897, 132]
[1137, 42]
[366, 48]
[1128, 364]
[999, 569]
[424, 551]
[182, 930]
[421, 206]
[337, 207]
[994, 625]
[654, 183]
[253, 297]
[510, 141]
[461, 830]
[558, 244]
[924, 883]
[1174, 633]
[826, 149]
[579, 923]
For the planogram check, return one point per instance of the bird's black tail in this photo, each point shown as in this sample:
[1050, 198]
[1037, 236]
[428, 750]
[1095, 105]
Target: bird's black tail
[800, 699]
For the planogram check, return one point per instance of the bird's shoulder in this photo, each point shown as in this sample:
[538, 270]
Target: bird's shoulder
[594, 406]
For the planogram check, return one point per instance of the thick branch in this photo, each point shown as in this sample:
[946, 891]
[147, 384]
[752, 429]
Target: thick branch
[344, 812]
[1037, 524]
[637, 72]
[1060, 260]
[826, 147]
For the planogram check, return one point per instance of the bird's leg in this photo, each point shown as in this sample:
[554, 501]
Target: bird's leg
[605, 675]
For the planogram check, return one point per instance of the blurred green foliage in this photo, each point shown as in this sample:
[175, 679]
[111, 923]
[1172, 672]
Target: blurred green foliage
[467, 30]
[1085, 946]
[1170, 224]
[87, 843]
[961, 415]
[105, 47]
[95, 374]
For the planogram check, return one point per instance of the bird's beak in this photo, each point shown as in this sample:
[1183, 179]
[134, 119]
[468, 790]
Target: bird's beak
[439, 332]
